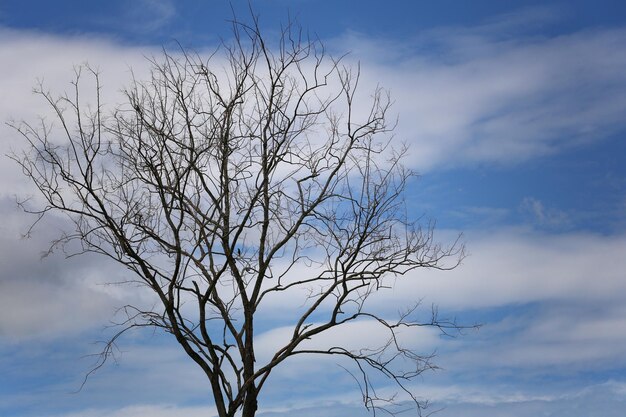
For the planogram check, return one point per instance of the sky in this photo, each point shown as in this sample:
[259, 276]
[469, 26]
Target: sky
[514, 114]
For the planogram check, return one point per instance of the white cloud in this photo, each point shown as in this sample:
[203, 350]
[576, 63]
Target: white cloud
[138, 17]
[544, 216]
[558, 296]
[53, 297]
[548, 340]
[474, 95]
[464, 95]
[517, 266]
[604, 399]
[37, 57]
[146, 411]
[150, 15]
[352, 336]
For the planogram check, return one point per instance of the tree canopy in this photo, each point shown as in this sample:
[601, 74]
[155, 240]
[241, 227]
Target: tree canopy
[224, 181]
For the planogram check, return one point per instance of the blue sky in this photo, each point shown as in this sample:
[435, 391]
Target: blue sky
[515, 118]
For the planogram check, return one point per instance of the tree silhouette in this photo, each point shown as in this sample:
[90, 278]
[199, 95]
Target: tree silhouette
[227, 181]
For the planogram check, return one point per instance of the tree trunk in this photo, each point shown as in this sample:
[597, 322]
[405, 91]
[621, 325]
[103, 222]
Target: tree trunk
[250, 404]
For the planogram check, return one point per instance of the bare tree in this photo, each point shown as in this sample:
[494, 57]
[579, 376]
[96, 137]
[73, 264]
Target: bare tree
[224, 182]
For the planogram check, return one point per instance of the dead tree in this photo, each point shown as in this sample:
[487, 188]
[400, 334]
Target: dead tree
[217, 179]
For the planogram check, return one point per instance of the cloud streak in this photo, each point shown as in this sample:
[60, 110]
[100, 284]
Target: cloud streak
[516, 266]
[463, 95]
[469, 96]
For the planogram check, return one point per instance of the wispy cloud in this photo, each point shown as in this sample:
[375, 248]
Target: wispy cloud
[605, 399]
[593, 400]
[140, 17]
[543, 216]
[518, 266]
[165, 410]
[150, 15]
[476, 95]
[464, 95]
